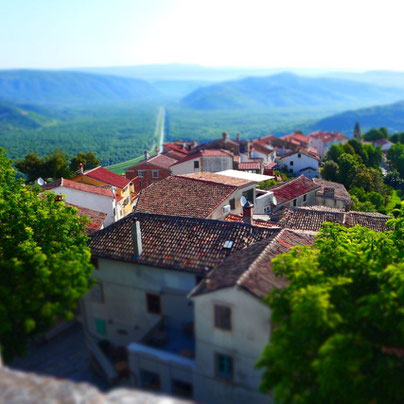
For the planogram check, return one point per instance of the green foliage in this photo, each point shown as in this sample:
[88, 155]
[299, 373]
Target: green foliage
[44, 261]
[267, 184]
[340, 322]
[375, 134]
[395, 156]
[89, 161]
[330, 171]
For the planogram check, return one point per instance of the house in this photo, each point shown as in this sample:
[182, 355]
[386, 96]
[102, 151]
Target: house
[202, 195]
[210, 160]
[259, 150]
[301, 161]
[101, 177]
[384, 144]
[296, 140]
[225, 143]
[147, 264]
[322, 141]
[233, 324]
[332, 194]
[96, 198]
[300, 191]
[149, 171]
[311, 218]
[251, 166]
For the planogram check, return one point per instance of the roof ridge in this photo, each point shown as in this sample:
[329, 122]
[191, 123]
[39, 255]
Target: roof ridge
[251, 268]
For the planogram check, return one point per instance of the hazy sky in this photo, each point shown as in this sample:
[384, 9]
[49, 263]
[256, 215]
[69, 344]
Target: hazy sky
[351, 34]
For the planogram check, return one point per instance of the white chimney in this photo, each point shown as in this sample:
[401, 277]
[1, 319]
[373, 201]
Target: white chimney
[81, 168]
[136, 239]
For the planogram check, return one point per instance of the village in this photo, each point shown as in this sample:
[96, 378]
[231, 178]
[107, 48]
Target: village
[182, 245]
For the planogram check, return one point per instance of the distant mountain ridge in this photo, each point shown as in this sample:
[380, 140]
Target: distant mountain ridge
[390, 116]
[63, 87]
[289, 90]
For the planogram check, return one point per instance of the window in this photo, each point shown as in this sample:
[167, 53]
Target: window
[222, 317]
[101, 326]
[94, 261]
[196, 164]
[224, 366]
[294, 202]
[198, 279]
[150, 380]
[232, 204]
[97, 293]
[140, 173]
[304, 198]
[299, 155]
[291, 163]
[155, 174]
[153, 303]
[182, 389]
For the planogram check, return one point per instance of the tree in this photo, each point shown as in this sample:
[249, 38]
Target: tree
[32, 165]
[89, 161]
[330, 171]
[339, 323]
[395, 157]
[375, 134]
[44, 261]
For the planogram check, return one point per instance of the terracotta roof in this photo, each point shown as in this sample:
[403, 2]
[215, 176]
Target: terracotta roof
[304, 151]
[375, 221]
[176, 155]
[97, 218]
[340, 191]
[251, 268]
[311, 218]
[260, 148]
[268, 139]
[161, 160]
[206, 153]
[107, 176]
[182, 196]
[176, 147]
[256, 222]
[178, 243]
[292, 189]
[326, 137]
[249, 165]
[381, 142]
[218, 179]
[63, 182]
[297, 137]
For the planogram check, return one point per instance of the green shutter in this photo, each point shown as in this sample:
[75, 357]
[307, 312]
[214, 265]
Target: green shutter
[101, 326]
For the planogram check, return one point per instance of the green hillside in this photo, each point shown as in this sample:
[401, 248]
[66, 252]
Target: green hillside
[64, 88]
[390, 116]
[114, 132]
[289, 90]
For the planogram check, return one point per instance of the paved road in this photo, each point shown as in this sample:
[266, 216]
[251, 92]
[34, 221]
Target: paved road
[65, 357]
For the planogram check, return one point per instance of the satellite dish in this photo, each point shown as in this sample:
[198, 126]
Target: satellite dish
[243, 200]
[274, 200]
[40, 181]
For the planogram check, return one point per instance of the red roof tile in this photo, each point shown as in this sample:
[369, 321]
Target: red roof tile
[294, 188]
[249, 166]
[107, 176]
[182, 196]
[177, 243]
[304, 151]
[256, 222]
[326, 137]
[161, 160]
[251, 268]
[97, 218]
[297, 137]
[205, 153]
[63, 182]
[217, 179]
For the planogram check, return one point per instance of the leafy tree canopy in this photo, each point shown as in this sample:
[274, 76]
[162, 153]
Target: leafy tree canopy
[340, 323]
[395, 156]
[89, 161]
[375, 134]
[44, 261]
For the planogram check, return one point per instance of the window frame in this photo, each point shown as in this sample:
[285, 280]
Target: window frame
[295, 202]
[196, 164]
[148, 308]
[218, 322]
[232, 203]
[140, 173]
[155, 174]
[219, 375]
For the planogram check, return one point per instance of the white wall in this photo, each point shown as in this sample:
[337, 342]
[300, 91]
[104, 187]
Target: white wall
[124, 308]
[186, 167]
[244, 343]
[91, 201]
[298, 162]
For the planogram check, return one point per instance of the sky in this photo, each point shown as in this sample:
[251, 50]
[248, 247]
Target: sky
[343, 34]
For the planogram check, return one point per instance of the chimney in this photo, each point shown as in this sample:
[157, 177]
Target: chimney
[146, 155]
[81, 168]
[249, 148]
[136, 239]
[225, 136]
[157, 150]
[238, 137]
[329, 192]
[248, 213]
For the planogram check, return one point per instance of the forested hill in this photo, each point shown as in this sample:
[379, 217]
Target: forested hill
[64, 88]
[390, 116]
[289, 90]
